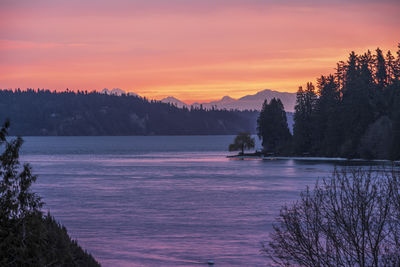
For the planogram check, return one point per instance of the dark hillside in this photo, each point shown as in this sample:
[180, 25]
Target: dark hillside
[42, 112]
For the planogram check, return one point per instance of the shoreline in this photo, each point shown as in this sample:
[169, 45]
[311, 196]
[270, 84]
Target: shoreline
[339, 159]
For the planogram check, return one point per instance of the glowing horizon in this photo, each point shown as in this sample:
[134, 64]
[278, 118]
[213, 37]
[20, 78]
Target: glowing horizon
[196, 51]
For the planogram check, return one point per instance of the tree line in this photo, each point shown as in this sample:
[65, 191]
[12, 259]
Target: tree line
[353, 113]
[45, 112]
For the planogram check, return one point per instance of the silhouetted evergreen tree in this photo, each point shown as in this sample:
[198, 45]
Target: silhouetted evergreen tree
[391, 67]
[397, 64]
[303, 129]
[357, 111]
[272, 127]
[327, 133]
[381, 73]
[27, 238]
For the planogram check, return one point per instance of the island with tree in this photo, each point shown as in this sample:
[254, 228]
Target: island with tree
[242, 142]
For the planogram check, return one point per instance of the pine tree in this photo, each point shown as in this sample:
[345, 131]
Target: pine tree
[27, 238]
[356, 111]
[397, 64]
[327, 134]
[303, 129]
[374, 94]
[381, 73]
[351, 73]
[391, 67]
[273, 128]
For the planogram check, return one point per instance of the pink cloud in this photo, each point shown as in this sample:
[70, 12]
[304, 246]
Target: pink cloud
[167, 46]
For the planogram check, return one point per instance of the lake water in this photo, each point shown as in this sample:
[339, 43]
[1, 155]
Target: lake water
[164, 201]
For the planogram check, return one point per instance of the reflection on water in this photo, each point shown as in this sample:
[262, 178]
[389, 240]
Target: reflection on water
[164, 200]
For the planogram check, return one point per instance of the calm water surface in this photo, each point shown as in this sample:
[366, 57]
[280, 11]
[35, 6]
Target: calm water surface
[164, 201]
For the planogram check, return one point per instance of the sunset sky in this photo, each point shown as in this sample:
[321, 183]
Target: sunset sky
[195, 50]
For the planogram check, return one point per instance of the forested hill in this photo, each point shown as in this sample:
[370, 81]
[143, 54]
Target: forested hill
[353, 113]
[42, 112]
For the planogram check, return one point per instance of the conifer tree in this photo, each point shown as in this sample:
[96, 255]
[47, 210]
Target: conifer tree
[327, 134]
[272, 127]
[27, 238]
[356, 109]
[381, 73]
[397, 64]
[303, 129]
[391, 67]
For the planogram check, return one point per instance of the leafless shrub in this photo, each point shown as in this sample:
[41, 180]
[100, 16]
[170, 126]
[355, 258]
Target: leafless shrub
[349, 219]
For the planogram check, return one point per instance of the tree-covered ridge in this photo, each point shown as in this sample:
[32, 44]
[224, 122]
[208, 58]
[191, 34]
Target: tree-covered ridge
[354, 113]
[42, 112]
[27, 237]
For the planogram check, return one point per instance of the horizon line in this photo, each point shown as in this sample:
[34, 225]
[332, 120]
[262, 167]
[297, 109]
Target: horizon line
[185, 101]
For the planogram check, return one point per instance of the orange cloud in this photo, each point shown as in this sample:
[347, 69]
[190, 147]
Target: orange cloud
[196, 51]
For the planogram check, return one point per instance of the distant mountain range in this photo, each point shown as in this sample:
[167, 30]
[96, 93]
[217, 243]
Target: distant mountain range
[116, 91]
[174, 101]
[249, 102]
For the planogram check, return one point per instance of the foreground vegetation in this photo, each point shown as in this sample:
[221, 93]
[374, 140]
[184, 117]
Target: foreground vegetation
[27, 237]
[350, 219]
[354, 113]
